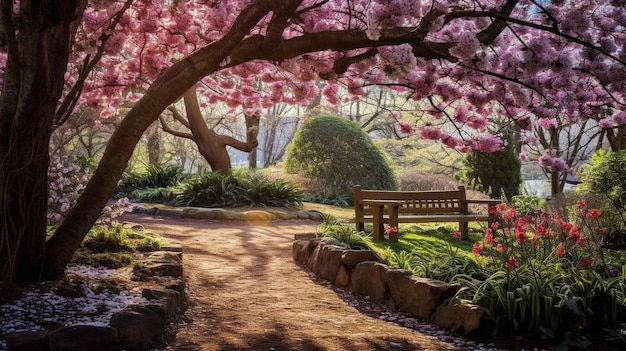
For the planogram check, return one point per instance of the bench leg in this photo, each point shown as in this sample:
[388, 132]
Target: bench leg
[360, 226]
[377, 225]
[393, 222]
[464, 229]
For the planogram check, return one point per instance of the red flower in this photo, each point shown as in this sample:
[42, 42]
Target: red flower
[593, 213]
[509, 214]
[581, 242]
[541, 230]
[391, 229]
[586, 261]
[561, 250]
[500, 248]
[456, 234]
[477, 249]
[511, 263]
[521, 237]
[581, 204]
[574, 233]
[490, 239]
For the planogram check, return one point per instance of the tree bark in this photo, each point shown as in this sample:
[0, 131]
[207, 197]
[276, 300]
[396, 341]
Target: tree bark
[32, 86]
[252, 131]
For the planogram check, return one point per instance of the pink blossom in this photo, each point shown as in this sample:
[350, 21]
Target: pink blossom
[430, 133]
[330, 93]
[486, 143]
[404, 128]
[548, 123]
[523, 156]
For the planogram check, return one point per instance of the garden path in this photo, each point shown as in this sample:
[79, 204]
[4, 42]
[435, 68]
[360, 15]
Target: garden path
[246, 293]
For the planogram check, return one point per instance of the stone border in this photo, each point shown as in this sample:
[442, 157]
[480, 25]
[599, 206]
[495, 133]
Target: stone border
[363, 272]
[253, 215]
[133, 326]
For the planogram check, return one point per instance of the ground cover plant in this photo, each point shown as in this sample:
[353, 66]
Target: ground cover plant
[212, 189]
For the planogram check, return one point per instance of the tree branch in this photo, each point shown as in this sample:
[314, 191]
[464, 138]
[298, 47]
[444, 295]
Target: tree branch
[166, 128]
[239, 145]
[280, 21]
[177, 116]
[71, 99]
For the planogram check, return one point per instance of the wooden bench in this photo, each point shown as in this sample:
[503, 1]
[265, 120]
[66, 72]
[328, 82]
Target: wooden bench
[381, 207]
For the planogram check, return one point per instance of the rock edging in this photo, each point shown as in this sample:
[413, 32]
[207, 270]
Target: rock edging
[253, 215]
[135, 325]
[362, 272]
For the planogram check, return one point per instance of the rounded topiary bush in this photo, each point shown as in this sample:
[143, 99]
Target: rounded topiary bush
[338, 154]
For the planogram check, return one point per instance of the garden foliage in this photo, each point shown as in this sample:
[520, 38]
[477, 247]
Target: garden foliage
[547, 276]
[606, 175]
[338, 154]
[211, 189]
[496, 173]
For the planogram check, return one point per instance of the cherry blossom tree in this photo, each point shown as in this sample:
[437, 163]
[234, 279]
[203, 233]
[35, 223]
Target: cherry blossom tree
[471, 59]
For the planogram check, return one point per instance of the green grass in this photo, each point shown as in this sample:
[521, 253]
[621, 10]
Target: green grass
[431, 242]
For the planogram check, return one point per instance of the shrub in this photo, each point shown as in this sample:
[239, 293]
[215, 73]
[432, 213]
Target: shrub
[413, 181]
[67, 179]
[339, 154]
[259, 190]
[216, 189]
[211, 189]
[496, 173]
[328, 198]
[154, 176]
[605, 175]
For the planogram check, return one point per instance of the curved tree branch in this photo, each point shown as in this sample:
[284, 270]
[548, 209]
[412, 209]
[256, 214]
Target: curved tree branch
[177, 116]
[166, 128]
[237, 144]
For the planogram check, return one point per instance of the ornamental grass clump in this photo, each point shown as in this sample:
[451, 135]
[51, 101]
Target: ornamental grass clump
[547, 276]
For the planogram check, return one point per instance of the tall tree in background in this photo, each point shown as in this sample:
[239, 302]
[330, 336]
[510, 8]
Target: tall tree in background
[479, 58]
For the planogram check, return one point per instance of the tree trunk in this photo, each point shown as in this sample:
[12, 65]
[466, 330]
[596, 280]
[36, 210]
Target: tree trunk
[154, 145]
[33, 83]
[252, 131]
[555, 187]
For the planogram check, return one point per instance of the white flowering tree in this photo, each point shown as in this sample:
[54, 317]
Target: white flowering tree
[478, 58]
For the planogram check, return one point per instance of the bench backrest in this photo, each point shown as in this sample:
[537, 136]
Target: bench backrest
[416, 202]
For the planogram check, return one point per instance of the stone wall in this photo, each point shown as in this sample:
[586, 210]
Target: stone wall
[362, 272]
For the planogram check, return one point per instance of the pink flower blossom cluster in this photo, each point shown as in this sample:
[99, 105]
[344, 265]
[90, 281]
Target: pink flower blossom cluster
[481, 143]
[524, 70]
[553, 163]
[66, 183]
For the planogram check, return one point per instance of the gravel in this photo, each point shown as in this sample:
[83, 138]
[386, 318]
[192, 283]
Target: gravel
[79, 301]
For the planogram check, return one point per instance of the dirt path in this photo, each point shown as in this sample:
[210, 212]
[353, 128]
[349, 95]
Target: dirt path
[246, 293]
